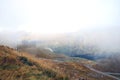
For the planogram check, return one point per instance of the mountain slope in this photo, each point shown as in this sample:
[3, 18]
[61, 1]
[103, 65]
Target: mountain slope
[15, 65]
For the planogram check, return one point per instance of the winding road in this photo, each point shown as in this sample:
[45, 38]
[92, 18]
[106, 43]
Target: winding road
[102, 73]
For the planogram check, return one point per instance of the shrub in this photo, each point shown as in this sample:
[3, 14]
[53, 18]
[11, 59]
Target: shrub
[24, 60]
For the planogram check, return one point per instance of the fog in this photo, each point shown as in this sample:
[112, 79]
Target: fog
[105, 39]
[11, 38]
[85, 22]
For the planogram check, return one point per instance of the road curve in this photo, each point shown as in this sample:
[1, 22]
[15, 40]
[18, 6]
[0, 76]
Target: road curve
[105, 74]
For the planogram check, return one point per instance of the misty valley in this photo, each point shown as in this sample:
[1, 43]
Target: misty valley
[61, 53]
[59, 39]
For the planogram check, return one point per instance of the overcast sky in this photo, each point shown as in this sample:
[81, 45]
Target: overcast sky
[58, 16]
[98, 21]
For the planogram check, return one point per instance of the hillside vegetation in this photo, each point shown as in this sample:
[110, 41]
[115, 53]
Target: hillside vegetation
[110, 64]
[16, 65]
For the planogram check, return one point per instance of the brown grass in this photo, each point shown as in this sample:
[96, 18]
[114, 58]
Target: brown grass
[23, 66]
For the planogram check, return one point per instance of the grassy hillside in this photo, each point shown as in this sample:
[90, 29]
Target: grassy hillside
[110, 64]
[16, 65]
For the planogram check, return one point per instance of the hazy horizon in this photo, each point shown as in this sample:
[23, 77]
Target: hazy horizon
[97, 21]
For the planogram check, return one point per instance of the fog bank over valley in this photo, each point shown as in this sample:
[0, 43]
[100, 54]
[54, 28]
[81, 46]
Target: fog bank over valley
[104, 39]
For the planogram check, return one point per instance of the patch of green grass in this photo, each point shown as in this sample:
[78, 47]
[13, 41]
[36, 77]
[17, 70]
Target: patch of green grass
[9, 67]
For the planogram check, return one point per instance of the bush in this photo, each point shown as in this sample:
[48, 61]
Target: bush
[24, 60]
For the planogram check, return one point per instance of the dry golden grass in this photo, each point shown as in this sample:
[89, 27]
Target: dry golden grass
[23, 66]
